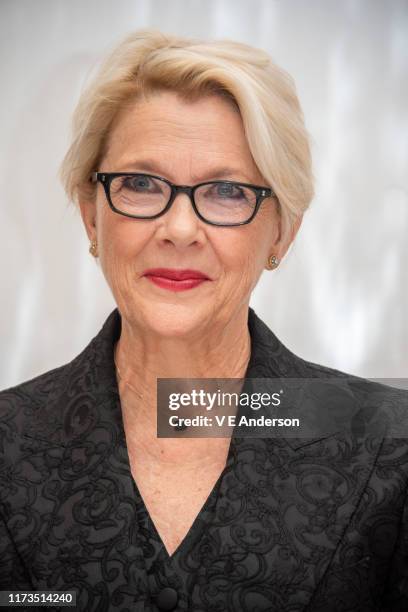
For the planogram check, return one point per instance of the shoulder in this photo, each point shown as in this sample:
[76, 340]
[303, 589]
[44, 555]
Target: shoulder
[267, 347]
[270, 358]
[21, 401]
[33, 387]
[370, 392]
[79, 374]
[28, 426]
[35, 408]
[59, 406]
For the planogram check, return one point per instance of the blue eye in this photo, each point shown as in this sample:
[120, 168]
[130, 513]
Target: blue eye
[137, 183]
[226, 190]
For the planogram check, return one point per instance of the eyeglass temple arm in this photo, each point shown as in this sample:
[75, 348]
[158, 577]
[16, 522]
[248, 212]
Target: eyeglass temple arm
[94, 177]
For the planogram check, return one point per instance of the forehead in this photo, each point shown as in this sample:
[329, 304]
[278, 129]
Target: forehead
[173, 132]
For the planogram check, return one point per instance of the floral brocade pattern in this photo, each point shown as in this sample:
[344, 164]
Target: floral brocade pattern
[292, 525]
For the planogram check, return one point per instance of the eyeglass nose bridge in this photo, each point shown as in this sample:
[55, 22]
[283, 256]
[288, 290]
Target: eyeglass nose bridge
[183, 189]
[176, 189]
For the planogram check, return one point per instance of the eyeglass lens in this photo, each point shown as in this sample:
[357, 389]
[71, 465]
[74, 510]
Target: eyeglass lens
[145, 196]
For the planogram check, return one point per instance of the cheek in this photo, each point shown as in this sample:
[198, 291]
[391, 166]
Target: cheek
[240, 252]
[246, 251]
[121, 242]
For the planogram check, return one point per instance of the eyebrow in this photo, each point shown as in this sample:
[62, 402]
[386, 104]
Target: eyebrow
[149, 165]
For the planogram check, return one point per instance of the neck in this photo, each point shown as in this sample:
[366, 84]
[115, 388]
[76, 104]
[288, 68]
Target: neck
[222, 352]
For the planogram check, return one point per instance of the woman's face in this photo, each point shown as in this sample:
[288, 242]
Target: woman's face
[186, 143]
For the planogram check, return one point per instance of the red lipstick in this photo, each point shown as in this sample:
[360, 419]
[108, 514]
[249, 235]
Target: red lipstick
[175, 280]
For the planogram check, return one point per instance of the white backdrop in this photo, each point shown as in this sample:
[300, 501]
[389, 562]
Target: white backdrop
[340, 298]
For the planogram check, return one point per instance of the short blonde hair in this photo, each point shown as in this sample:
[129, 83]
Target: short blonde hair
[148, 60]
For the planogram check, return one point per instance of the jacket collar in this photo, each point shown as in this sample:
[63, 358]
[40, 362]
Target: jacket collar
[86, 389]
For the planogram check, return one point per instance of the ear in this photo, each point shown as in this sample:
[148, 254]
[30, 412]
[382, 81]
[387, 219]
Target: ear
[295, 228]
[87, 205]
[283, 242]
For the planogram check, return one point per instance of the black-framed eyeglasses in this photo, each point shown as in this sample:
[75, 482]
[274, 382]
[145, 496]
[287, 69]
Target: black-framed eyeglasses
[147, 196]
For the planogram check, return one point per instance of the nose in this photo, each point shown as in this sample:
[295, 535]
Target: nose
[180, 223]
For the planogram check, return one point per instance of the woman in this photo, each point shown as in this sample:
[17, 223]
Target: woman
[191, 167]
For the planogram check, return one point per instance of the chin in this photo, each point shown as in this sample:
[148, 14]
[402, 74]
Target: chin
[176, 320]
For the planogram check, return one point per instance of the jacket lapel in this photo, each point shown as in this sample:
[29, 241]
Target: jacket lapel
[294, 498]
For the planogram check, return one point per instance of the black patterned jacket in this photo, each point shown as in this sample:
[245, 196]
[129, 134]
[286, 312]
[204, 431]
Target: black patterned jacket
[292, 525]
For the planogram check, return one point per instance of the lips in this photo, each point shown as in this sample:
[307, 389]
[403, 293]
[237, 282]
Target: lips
[174, 274]
[175, 280]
